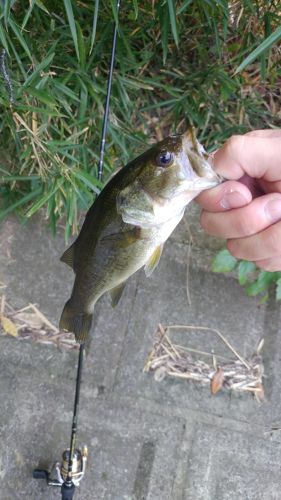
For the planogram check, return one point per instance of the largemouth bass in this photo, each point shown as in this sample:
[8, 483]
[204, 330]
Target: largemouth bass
[129, 222]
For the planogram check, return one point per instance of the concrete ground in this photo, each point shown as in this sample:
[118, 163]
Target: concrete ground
[168, 440]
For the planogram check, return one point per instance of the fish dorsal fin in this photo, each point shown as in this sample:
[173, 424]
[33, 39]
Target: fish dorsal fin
[153, 260]
[116, 292]
[68, 256]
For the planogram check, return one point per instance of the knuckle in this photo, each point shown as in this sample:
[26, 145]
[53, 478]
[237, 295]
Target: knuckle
[274, 242]
[204, 221]
[235, 144]
[244, 225]
[233, 247]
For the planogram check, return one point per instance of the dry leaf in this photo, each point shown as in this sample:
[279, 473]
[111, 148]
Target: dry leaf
[160, 374]
[217, 381]
[8, 326]
[259, 393]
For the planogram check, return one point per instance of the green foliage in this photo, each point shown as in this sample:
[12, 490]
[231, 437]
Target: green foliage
[177, 64]
[224, 262]
[257, 282]
[266, 44]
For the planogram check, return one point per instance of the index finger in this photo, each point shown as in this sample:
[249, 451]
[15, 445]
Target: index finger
[259, 157]
[229, 194]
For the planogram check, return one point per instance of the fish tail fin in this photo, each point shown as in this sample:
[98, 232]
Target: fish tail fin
[77, 323]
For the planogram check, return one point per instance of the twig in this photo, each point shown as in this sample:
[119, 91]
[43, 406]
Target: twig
[168, 358]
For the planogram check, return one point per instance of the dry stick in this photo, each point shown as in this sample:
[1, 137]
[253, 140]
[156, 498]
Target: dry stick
[189, 249]
[204, 353]
[217, 332]
[37, 334]
[189, 369]
[43, 318]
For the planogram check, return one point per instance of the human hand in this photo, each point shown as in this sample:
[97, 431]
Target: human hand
[246, 210]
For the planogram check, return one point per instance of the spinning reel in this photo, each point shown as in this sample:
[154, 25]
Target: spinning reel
[59, 472]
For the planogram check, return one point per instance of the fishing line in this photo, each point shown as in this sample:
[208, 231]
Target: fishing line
[72, 469]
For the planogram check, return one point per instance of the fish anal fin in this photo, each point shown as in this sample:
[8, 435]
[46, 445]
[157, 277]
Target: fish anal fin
[116, 292]
[68, 256]
[153, 260]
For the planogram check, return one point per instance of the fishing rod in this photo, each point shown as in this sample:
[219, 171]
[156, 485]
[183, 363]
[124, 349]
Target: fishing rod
[71, 470]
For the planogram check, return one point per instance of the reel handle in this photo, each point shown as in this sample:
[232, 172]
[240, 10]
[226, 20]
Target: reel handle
[40, 474]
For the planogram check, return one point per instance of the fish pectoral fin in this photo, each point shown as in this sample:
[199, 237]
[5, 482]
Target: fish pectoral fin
[116, 292]
[153, 261]
[68, 256]
[135, 205]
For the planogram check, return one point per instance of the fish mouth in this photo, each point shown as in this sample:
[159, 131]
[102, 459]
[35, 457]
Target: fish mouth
[201, 183]
[201, 162]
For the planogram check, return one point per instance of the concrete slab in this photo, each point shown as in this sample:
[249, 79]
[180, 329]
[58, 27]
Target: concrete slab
[147, 440]
[127, 446]
[226, 465]
[217, 302]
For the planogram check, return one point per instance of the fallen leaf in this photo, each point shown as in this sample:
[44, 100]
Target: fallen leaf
[8, 326]
[217, 381]
[160, 374]
[259, 393]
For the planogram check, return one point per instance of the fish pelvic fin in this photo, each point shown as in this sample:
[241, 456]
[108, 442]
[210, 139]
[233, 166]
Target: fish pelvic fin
[115, 293]
[77, 323]
[68, 256]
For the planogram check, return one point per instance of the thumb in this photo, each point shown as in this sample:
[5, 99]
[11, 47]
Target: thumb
[259, 157]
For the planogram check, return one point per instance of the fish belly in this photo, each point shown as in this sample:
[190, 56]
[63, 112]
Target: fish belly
[100, 276]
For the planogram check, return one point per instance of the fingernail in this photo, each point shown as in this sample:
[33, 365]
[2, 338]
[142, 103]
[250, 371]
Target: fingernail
[273, 210]
[233, 199]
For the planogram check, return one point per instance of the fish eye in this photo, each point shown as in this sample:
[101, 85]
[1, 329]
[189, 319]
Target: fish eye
[165, 158]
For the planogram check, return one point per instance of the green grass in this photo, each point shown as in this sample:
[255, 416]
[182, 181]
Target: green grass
[206, 63]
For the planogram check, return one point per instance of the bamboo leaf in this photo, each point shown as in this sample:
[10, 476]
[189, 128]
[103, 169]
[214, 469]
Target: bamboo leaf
[81, 46]
[136, 8]
[7, 10]
[20, 38]
[114, 7]
[27, 15]
[72, 25]
[3, 37]
[94, 28]
[42, 96]
[40, 67]
[44, 198]
[265, 45]
[22, 201]
[173, 20]
[88, 179]
[41, 6]
[184, 6]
